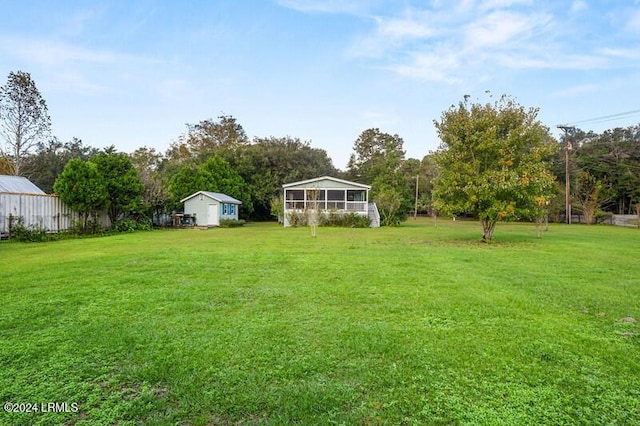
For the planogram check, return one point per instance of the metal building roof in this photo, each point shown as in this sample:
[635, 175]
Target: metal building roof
[18, 185]
[218, 196]
[326, 178]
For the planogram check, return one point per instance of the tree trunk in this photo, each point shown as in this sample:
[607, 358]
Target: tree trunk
[589, 212]
[85, 221]
[487, 229]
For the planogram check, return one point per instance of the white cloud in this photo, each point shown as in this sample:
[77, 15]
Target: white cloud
[55, 53]
[630, 53]
[474, 39]
[73, 81]
[409, 27]
[392, 33]
[471, 39]
[441, 66]
[572, 91]
[578, 6]
[502, 4]
[633, 23]
[499, 29]
[76, 69]
[356, 7]
[552, 61]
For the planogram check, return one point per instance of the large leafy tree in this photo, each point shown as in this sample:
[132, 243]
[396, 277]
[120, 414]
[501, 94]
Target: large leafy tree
[420, 173]
[147, 162]
[590, 194]
[613, 159]
[493, 162]
[82, 188]
[121, 181]
[24, 118]
[215, 175]
[392, 194]
[375, 153]
[208, 137]
[377, 159]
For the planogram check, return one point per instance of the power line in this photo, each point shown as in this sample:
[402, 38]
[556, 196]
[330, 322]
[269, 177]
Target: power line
[606, 117]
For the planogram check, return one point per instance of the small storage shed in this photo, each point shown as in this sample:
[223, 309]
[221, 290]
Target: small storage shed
[209, 208]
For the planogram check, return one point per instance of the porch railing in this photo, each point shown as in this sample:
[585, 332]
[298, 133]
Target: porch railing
[351, 206]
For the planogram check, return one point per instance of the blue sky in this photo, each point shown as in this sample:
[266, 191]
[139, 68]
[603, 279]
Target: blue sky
[133, 73]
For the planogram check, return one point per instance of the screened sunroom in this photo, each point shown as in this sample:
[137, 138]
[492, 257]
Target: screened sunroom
[326, 194]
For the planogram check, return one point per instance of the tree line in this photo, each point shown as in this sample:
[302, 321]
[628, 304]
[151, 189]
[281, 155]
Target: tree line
[496, 161]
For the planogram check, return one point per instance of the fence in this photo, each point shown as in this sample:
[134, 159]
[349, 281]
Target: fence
[613, 219]
[624, 219]
[43, 211]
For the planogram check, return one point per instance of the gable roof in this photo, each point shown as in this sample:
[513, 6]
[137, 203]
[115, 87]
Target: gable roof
[329, 178]
[218, 196]
[18, 185]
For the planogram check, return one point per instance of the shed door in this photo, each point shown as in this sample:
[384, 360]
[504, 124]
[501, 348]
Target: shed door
[213, 215]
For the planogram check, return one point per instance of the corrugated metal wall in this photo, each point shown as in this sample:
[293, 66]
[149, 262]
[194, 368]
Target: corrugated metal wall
[45, 211]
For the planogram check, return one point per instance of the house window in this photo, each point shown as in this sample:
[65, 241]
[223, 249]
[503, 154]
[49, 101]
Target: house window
[224, 208]
[335, 199]
[295, 198]
[232, 209]
[356, 195]
[295, 194]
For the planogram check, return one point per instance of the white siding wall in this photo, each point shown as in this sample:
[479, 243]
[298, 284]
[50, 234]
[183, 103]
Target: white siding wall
[201, 209]
[45, 211]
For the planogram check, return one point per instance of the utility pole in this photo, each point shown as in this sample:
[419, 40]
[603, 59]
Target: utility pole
[567, 176]
[415, 211]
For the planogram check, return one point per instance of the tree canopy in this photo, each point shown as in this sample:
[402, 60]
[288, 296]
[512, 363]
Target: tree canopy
[375, 153]
[493, 162]
[215, 175]
[121, 181]
[155, 197]
[209, 137]
[49, 160]
[268, 163]
[82, 187]
[377, 160]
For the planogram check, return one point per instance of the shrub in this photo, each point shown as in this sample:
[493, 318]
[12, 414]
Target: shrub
[346, 220]
[603, 217]
[33, 233]
[130, 225]
[124, 225]
[332, 218]
[231, 223]
[297, 218]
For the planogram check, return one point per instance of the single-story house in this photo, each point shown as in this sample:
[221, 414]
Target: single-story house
[327, 194]
[209, 208]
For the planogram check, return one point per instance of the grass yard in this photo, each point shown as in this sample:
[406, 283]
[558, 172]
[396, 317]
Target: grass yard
[264, 325]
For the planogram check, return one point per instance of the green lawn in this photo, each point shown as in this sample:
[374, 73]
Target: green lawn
[265, 325]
